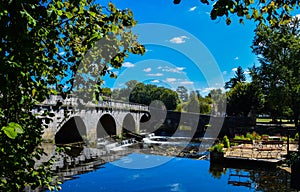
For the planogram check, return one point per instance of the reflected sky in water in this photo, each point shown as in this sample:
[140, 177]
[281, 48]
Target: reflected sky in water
[176, 174]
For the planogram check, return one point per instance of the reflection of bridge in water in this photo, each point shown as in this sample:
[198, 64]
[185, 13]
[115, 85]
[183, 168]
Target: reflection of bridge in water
[75, 122]
[78, 159]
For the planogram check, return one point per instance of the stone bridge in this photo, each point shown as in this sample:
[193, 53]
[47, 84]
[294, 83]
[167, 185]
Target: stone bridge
[74, 122]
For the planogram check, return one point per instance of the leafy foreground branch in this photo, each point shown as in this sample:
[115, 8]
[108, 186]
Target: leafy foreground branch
[42, 44]
[273, 12]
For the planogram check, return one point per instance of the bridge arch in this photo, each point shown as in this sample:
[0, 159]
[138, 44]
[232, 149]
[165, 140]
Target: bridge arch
[144, 122]
[106, 126]
[74, 130]
[128, 124]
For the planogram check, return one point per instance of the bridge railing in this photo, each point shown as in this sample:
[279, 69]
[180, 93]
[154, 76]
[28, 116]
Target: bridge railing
[75, 103]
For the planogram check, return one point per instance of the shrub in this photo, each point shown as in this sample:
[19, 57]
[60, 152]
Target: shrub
[226, 142]
[284, 138]
[253, 136]
[217, 148]
[249, 136]
[256, 136]
[241, 137]
[238, 137]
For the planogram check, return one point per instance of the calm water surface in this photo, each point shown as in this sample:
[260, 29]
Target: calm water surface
[174, 174]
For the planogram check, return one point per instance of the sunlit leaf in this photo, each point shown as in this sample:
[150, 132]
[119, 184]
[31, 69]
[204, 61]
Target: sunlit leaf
[12, 130]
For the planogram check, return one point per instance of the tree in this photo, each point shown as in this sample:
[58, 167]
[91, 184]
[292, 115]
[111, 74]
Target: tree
[131, 84]
[145, 94]
[238, 77]
[42, 47]
[275, 100]
[242, 99]
[183, 93]
[115, 94]
[169, 98]
[193, 103]
[218, 99]
[275, 12]
[205, 106]
[205, 103]
[279, 55]
[141, 94]
[106, 92]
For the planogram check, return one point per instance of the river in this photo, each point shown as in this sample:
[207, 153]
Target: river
[155, 168]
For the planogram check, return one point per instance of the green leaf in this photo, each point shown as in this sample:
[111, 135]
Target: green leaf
[9, 132]
[114, 29]
[93, 14]
[12, 130]
[59, 12]
[59, 4]
[69, 15]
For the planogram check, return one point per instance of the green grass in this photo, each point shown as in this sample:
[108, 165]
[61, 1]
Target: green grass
[260, 120]
[285, 122]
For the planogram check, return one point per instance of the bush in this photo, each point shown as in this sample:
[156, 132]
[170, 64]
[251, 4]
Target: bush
[217, 148]
[286, 138]
[249, 136]
[226, 142]
[238, 137]
[297, 136]
[253, 136]
[241, 137]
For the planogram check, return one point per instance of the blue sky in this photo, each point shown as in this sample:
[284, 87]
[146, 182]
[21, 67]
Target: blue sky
[173, 58]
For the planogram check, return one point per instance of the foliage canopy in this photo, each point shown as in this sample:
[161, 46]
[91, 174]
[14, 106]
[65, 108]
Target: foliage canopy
[278, 75]
[42, 44]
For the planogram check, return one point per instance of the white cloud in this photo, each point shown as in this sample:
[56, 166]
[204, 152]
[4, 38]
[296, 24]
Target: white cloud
[61, 53]
[234, 69]
[298, 16]
[208, 89]
[172, 70]
[178, 40]
[180, 68]
[155, 74]
[247, 72]
[121, 85]
[236, 58]
[155, 81]
[128, 64]
[116, 73]
[175, 187]
[170, 80]
[186, 83]
[193, 8]
[147, 70]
